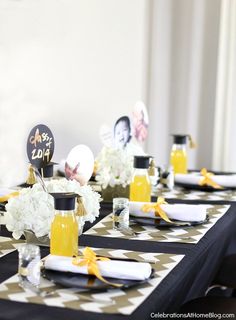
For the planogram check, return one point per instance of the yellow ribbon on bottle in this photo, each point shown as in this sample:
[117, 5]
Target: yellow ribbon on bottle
[8, 196]
[90, 259]
[159, 212]
[206, 180]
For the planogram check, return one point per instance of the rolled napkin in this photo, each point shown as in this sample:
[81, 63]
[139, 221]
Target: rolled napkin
[180, 212]
[227, 181]
[111, 268]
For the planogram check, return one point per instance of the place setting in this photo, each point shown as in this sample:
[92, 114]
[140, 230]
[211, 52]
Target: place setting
[206, 181]
[160, 221]
[108, 280]
[201, 185]
[178, 182]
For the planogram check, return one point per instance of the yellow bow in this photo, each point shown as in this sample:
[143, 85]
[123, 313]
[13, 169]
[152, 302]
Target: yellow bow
[8, 196]
[157, 208]
[206, 179]
[159, 212]
[90, 259]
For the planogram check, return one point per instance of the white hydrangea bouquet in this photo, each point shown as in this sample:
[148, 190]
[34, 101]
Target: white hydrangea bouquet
[114, 167]
[33, 209]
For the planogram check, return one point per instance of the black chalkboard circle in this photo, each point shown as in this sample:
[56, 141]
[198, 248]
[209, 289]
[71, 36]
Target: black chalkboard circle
[40, 146]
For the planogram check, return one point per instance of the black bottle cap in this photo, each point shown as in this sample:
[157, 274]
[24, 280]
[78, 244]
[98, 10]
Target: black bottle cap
[64, 200]
[47, 171]
[141, 162]
[180, 138]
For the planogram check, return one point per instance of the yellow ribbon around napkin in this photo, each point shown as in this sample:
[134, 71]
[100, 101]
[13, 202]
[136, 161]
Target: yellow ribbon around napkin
[159, 212]
[90, 259]
[157, 208]
[8, 196]
[206, 179]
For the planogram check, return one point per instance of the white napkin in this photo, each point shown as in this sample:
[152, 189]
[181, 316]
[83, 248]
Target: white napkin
[112, 268]
[181, 212]
[223, 180]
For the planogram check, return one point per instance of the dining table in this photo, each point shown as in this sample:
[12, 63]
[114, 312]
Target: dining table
[185, 270]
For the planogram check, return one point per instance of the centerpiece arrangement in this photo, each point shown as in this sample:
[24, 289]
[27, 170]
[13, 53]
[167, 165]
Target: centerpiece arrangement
[121, 143]
[33, 209]
[114, 172]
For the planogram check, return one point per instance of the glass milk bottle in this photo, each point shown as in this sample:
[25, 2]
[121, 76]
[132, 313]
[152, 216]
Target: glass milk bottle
[178, 156]
[64, 228]
[29, 266]
[140, 187]
[120, 213]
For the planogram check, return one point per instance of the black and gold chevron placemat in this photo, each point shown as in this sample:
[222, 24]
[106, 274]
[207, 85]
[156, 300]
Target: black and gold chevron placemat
[120, 301]
[185, 234]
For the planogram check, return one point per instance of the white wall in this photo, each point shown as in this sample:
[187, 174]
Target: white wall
[71, 64]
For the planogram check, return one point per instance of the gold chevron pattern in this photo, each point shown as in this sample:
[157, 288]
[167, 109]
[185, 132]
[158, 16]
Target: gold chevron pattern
[181, 234]
[119, 301]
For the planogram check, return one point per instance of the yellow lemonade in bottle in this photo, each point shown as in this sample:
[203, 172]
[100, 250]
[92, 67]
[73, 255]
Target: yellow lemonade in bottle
[64, 235]
[178, 160]
[178, 156]
[140, 189]
[64, 228]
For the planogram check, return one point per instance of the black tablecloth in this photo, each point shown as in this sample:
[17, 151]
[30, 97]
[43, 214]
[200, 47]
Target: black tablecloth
[188, 280]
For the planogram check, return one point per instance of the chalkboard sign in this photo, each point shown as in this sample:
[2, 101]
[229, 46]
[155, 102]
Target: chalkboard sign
[40, 146]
